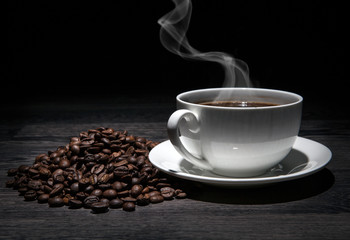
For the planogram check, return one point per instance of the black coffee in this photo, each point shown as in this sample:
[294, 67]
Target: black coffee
[238, 104]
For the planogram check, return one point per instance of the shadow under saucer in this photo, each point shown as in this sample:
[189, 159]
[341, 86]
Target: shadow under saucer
[273, 193]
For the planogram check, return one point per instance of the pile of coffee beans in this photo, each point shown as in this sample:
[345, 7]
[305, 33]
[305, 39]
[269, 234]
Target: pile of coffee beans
[101, 169]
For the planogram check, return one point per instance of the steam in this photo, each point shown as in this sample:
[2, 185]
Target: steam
[174, 26]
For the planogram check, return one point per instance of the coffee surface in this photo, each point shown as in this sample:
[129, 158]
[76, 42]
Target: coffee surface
[238, 104]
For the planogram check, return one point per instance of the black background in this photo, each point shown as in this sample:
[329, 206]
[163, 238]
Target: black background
[91, 49]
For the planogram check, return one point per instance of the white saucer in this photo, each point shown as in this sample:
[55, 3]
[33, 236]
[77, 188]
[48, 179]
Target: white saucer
[305, 158]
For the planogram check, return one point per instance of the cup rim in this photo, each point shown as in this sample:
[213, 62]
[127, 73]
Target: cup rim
[179, 96]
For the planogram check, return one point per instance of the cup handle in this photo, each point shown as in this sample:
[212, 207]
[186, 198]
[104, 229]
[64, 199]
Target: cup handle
[173, 133]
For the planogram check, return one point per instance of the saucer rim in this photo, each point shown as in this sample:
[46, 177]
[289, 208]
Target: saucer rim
[300, 145]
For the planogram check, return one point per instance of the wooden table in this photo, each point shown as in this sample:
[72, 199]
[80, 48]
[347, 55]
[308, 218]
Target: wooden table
[314, 207]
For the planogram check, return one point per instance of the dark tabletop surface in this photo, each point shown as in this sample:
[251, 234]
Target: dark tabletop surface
[313, 207]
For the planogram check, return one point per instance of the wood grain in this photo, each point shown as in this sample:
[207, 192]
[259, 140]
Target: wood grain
[314, 207]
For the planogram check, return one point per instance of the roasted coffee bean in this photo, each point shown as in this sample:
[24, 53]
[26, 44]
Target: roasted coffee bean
[94, 150]
[39, 192]
[89, 158]
[44, 172]
[97, 192]
[74, 203]
[64, 163]
[50, 182]
[23, 169]
[60, 151]
[84, 135]
[154, 193]
[93, 179]
[140, 161]
[33, 172]
[88, 201]
[130, 150]
[97, 169]
[121, 163]
[118, 185]
[81, 195]
[99, 157]
[105, 200]
[43, 198]
[132, 167]
[87, 141]
[123, 193]
[89, 189]
[143, 199]
[56, 189]
[98, 136]
[120, 171]
[98, 144]
[75, 149]
[75, 139]
[151, 188]
[106, 151]
[42, 158]
[84, 182]
[136, 190]
[167, 193]
[129, 206]
[141, 139]
[126, 178]
[153, 181]
[146, 190]
[106, 141]
[155, 172]
[180, 194]
[58, 176]
[10, 183]
[21, 181]
[135, 181]
[156, 199]
[47, 189]
[77, 175]
[141, 145]
[105, 178]
[75, 187]
[99, 207]
[66, 199]
[116, 203]
[30, 195]
[151, 144]
[93, 131]
[108, 131]
[56, 202]
[22, 190]
[143, 152]
[110, 193]
[132, 160]
[130, 139]
[104, 186]
[56, 160]
[129, 199]
[35, 184]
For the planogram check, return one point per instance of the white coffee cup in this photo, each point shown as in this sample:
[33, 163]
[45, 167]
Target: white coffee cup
[235, 141]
